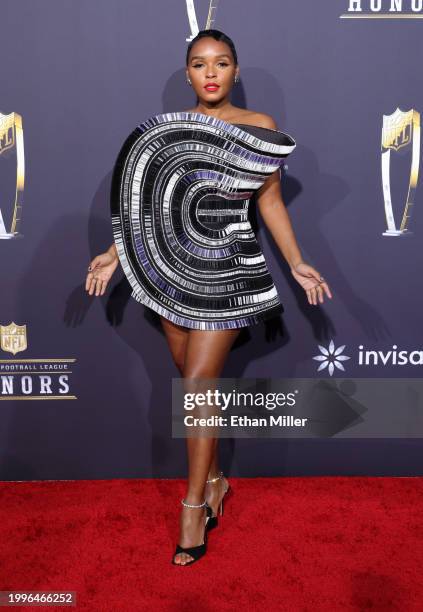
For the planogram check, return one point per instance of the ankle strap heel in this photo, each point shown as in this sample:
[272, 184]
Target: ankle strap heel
[196, 552]
[212, 522]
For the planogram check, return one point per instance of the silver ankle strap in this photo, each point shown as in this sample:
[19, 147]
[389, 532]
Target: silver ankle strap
[183, 502]
[216, 478]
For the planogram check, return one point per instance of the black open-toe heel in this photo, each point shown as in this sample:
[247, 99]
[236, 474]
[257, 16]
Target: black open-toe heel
[194, 551]
[212, 522]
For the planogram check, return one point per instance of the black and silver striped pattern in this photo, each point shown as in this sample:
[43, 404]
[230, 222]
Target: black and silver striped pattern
[180, 192]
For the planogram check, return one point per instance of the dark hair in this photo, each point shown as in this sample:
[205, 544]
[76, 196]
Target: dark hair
[217, 35]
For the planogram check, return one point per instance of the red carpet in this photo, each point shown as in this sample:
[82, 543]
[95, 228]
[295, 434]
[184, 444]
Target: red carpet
[291, 544]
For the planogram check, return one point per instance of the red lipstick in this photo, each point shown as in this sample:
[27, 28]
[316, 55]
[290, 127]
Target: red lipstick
[211, 87]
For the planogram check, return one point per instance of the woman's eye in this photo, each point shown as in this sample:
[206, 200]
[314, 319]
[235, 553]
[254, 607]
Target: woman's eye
[220, 64]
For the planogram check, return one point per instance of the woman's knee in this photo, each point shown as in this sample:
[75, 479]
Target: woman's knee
[193, 372]
[199, 380]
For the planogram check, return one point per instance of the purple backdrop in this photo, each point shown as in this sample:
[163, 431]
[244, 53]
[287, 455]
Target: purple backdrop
[82, 75]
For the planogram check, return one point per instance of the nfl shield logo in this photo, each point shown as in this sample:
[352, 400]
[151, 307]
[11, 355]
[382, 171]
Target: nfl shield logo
[397, 129]
[13, 338]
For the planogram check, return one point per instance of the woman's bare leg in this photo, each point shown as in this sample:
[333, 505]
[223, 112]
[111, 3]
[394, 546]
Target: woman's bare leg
[215, 490]
[205, 355]
[199, 354]
[177, 338]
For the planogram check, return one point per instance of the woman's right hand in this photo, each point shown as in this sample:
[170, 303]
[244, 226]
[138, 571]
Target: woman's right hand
[100, 271]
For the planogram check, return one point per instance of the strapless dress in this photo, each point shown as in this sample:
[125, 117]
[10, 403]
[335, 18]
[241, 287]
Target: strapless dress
[181, 187]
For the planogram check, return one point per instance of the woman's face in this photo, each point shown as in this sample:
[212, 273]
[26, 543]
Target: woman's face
[211, 61]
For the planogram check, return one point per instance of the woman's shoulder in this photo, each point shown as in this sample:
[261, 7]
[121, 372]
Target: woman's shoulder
[264, 120]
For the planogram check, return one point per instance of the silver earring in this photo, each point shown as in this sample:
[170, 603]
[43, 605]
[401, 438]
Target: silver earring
[236, 79]
[189, 81]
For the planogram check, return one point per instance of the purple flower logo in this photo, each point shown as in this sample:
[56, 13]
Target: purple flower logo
[331, 358]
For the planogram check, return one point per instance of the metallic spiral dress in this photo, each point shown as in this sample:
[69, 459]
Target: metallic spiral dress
[181, 187]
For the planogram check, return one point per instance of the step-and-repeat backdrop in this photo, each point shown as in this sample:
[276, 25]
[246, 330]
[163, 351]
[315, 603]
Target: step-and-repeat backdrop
[86, 382]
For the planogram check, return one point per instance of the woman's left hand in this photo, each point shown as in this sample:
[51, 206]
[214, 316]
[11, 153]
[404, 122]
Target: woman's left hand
[311, 281]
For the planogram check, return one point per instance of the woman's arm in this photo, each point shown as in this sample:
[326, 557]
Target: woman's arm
[274, 214]
[273, 210]
[112, 250]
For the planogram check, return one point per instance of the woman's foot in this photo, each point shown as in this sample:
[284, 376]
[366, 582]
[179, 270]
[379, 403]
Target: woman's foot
[215, 491]
[192, 528]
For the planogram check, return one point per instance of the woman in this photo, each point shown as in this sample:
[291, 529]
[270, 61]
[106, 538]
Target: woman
[200, 352]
